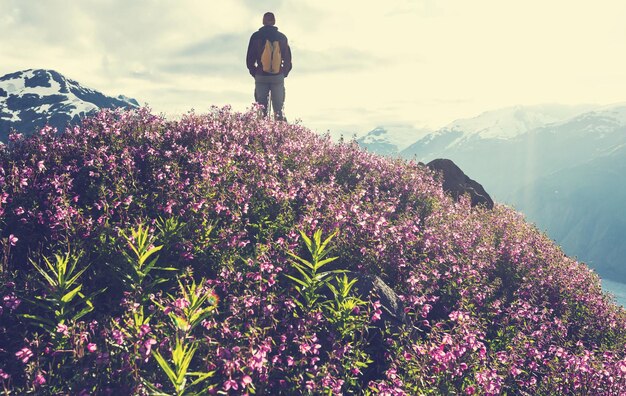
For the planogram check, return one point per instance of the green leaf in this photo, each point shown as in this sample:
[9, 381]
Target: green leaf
[70, 295]
[303, 272]
[83, 312]
[333, 289]
[75, 277]
[154, 391]
[297, 280]
[306, 239]
[327, 241]
[38, 319]
[147, 268]
[51, 281]
[189, 351]
[130, 244]
[201, 377]
[164, 366]
[322, 263]
[301, 260]
[198, 318]
[41, 302]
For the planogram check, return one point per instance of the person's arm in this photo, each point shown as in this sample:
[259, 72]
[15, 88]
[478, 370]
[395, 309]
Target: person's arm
[251, 57]
[287, 59]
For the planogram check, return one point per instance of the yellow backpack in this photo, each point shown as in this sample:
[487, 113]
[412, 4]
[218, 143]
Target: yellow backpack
[271, 59]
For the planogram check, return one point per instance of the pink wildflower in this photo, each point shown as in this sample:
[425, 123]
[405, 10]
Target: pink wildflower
[61, 328]
[39, 379]
[377, 311]
[231, 384]
[181, 303]
[24, 354]
[147, 345]
[515, 371]
[144, 329]
[117, 336]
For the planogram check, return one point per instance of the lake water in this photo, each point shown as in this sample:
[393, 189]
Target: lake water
[617, 289]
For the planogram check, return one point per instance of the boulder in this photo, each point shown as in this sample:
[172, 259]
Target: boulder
[372, 285]
[457, 183]
[391, 319]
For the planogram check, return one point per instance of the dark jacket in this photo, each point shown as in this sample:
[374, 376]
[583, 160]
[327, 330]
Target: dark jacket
[255, 49]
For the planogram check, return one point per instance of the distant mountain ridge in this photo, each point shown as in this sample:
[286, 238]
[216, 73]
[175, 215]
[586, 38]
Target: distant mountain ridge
[562, 166]
[391, 140]
[583, 208]
[32, 98]
[502, 124]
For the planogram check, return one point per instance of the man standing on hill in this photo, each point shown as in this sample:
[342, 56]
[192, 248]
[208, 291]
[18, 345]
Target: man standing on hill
[269, 62]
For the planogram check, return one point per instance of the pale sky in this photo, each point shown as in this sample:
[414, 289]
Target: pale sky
[357, 64]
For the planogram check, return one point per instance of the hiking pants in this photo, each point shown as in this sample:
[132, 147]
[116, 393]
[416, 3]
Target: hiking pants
[263, 85]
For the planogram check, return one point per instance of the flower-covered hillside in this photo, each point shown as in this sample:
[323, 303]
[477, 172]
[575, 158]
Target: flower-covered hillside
[228, 254]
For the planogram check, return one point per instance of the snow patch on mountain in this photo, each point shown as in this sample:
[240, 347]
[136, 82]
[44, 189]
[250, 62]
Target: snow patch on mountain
[603, 119]
[392, 138]
[510, 122]
[32, 98]
[34, 84]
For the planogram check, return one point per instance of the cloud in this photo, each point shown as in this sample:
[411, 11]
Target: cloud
[222, 55]
[216, 45]
[408, 61]
[264, 6]
[335, 60]
[199, 67]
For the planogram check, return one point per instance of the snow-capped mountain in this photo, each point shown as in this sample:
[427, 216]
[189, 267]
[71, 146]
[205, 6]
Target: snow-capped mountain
[561, 166]
[390, 140]
[535, 145]
[502, 124]
[598, 121]
[30, 99]
[510, 122]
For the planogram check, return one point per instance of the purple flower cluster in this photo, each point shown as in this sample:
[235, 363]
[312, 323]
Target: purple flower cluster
[491, 304]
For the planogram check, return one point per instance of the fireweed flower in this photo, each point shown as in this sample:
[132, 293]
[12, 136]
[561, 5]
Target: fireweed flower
[11, 301]
[61, 328]
[231, 384]
[181, 303]
[377, 311]
[144, 329]
[117, 336]
[91, 347]
[39, 379]
[24, 355]
[147, 347]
